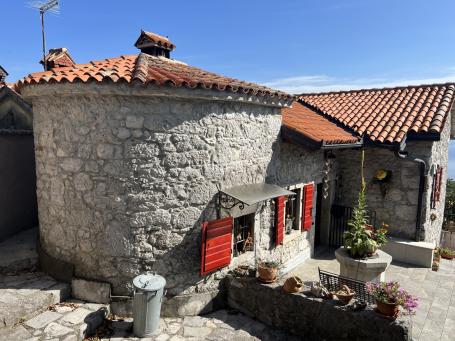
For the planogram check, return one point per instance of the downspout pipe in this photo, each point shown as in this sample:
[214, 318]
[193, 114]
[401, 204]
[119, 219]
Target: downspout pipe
[423, 172]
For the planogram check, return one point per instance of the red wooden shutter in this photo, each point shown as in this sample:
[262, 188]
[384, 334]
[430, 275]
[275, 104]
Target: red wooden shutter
[307, 207]
[279, 220]
[216, 244]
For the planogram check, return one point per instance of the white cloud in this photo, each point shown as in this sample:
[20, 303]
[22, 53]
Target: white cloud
[324, 83]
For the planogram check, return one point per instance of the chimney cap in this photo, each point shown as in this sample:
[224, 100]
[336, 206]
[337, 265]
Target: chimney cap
[58, 57]
[150, 39]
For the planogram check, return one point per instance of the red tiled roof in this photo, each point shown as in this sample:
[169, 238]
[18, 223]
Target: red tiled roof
[145, 69]
[315, 127]
[387, 115]
[11, 86]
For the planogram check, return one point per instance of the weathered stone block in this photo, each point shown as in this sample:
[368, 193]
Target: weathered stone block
[105, 151]
[57, 268]
[91, 291]
[71, 164]
[83, 182]
[77, 316]
[308, 317]
[134, 121]
[123, 133]
[43, 319]
[55, 330]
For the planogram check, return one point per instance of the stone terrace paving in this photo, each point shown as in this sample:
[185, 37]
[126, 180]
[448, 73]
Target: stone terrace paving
[66, 322]
[434, 320]
[435, 317]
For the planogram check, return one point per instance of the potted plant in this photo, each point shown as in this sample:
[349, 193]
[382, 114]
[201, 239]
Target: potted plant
[447, 253]
[362, 240]
[437, 254]
[267, 271]
[435, 266]
[389, 296]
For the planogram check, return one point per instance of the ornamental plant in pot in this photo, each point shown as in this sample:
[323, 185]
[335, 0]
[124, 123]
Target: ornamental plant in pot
[268, 271]
[362, 240]
[389, 296]
[447, 253]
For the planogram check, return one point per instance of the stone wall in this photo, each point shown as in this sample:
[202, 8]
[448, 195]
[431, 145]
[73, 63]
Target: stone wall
[399, 206]
[311, 318]
[126, 175]
[439, 156]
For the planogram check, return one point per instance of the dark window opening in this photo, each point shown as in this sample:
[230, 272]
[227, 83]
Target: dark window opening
[292, 212]
[243, 234]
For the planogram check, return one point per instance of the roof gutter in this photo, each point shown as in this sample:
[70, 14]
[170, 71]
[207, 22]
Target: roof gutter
[401, 154]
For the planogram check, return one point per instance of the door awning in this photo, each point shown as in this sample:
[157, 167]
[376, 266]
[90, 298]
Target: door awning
[254, 193]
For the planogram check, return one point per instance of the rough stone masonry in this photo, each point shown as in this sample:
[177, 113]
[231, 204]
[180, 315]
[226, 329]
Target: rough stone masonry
[127, 174]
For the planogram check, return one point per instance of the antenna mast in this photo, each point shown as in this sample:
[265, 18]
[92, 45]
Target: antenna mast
[44, 6]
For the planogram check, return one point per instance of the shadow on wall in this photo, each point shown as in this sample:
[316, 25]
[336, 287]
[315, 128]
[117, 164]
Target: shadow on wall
[183, 183]
[17, 184]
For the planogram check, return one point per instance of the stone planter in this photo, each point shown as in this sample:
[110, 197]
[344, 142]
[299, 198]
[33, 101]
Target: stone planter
[387, 309]
[366, 270]
[267, 274]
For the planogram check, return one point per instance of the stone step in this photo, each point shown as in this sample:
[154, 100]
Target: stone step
[18, 253]
[24, 295]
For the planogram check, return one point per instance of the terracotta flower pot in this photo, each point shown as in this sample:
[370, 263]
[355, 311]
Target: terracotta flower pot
[293, 284]
[387, 309]
[447, 256]
[267, 274]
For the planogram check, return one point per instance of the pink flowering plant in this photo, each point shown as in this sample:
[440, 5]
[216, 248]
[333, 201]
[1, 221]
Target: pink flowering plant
[392, 293]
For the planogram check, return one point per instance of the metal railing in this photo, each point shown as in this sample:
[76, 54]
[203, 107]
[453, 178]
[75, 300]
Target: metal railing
[340, 215]
[334, 282]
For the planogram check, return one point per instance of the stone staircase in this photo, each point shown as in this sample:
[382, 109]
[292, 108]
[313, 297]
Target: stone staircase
[18, 253]
[24, 291]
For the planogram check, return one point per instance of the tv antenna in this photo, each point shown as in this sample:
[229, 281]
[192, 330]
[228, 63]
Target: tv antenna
[51, 6]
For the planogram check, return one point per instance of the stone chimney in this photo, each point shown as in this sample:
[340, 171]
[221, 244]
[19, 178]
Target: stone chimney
[58, 58]
[154, 44]
[3, 75]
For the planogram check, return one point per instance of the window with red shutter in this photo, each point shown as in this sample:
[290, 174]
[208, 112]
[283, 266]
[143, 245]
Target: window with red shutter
[307, 207]
[279, 220]
[216, 244]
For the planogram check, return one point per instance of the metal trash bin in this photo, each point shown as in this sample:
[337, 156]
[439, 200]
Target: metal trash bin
[148, 295]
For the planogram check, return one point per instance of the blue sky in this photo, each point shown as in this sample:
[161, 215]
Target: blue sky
[298, 45]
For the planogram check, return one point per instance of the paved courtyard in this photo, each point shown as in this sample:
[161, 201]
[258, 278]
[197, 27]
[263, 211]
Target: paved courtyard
[69, 321]
[435, 317]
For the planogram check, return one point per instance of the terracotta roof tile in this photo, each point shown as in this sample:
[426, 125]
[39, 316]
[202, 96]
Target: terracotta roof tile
[145, 69]
[314, 126]
[387, 115]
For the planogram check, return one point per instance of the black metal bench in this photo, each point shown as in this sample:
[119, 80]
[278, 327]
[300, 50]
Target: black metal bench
[334, 282]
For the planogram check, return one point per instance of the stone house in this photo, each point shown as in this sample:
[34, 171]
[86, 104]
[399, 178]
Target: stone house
[17, 162]
[145, 163]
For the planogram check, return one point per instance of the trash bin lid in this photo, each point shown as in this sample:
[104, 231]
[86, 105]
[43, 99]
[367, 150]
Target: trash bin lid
[149, 282]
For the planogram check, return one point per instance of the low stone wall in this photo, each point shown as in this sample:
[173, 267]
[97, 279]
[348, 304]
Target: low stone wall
[311, 318]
